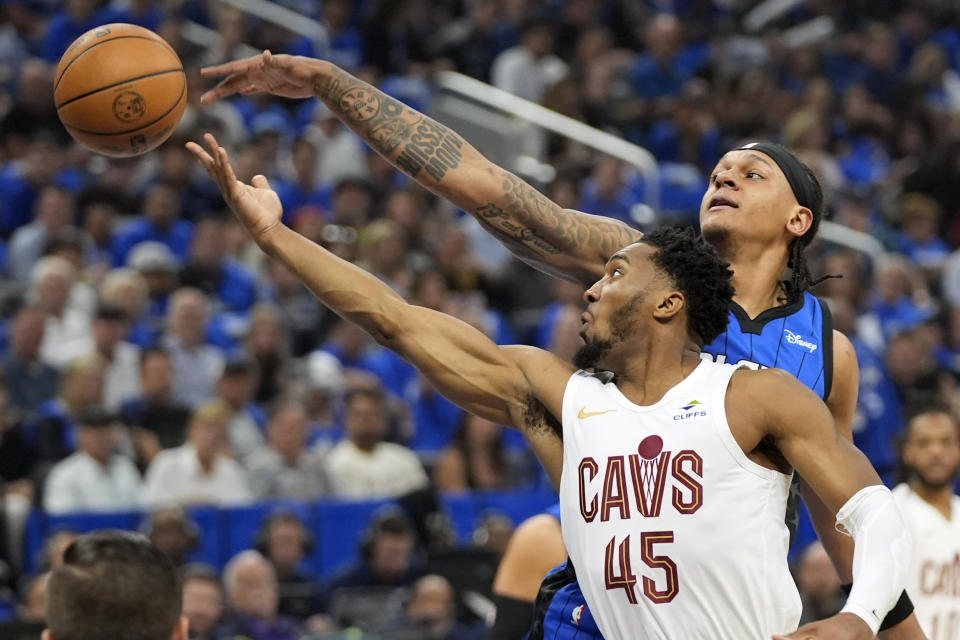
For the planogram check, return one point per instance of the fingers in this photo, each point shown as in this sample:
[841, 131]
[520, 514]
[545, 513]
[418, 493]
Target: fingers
[237, 66]
[260, 182]
[227, 87]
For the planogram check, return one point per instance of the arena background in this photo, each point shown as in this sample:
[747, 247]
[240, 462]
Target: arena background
[121, 257]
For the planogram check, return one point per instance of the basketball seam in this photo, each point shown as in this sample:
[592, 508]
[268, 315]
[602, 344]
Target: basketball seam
[64, 72]
[142, 126]
[117, 84]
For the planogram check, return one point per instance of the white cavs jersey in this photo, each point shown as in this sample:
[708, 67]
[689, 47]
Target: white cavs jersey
[673, 531]
[934, 579]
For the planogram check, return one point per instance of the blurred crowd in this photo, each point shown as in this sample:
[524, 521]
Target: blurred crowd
[150, 355]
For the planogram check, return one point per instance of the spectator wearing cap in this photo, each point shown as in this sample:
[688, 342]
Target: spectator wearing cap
[30, 381]
[284, 468]
[210, 270]
[159, 421]
[95, 478]
[197, 365]
[364, 466]
[235, 388]
[158, 268]
[67, 333]
[122, 379]
[198, 472]
[323, 390]
[53, 212]
[160, 223]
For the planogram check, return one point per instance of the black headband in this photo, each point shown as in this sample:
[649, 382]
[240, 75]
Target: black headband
[794, 170]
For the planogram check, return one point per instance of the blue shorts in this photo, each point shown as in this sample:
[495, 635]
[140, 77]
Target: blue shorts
[561, 611]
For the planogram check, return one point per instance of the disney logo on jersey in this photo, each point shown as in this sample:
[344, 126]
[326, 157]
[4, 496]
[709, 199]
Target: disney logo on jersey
[693, 409]
[797, 339]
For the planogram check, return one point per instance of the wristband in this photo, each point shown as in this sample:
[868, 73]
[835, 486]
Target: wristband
[900, 612]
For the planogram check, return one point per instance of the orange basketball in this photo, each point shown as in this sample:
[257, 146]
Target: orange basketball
[120, 90]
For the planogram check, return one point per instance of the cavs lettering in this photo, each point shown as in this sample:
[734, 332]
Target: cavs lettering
[636, 484]
[661, 508]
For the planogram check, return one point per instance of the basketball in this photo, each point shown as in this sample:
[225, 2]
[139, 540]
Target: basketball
[120, 90]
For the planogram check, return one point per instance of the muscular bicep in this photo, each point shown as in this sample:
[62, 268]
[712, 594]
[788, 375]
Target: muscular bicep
[842, 401]
[565, 243]
[807, 436]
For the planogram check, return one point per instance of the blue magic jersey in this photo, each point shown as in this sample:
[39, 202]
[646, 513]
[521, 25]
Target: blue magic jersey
[798, 338]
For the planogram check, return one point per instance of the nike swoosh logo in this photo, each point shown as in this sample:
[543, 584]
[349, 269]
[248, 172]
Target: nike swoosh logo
[589, 414]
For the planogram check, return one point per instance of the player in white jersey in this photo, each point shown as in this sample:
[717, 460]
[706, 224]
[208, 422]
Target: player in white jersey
[705, 485]
[931, 456]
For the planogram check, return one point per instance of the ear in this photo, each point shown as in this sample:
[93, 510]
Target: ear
[181, 631]
[669, 306]
[800, 221]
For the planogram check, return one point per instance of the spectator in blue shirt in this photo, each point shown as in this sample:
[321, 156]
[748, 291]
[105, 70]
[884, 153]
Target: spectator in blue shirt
[230, 284]
[22, 180]
[346, 41]
[303, 187]
[160, 223]
[76, 18]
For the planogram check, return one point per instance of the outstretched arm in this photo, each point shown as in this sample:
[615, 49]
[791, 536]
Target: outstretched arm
[843, 478]
[465, 365]
[563, 242]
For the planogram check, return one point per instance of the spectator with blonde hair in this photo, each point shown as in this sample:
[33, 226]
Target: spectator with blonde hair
[67, 332]
[198, 472]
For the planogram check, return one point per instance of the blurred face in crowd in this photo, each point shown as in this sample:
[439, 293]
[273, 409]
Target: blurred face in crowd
[288, 432]
[209, 243]
[188, 317]
[391, 555]
[208, 437]
[83, 386]
[108, 332]
[170, 532]
[156, 376]
[749, 199]
[816, 575]
[43, 159]
[202, 606]
[285, 544]
[236, 388]
[27, 335]
[54, 209]
[161, 205]
[253, 591]
[366, 421]
[432, 605]
[266, 335]
[53, 288]
[932, 449]
[304, 160]
[97, 441]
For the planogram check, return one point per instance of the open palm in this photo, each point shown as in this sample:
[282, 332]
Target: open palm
[256, 205]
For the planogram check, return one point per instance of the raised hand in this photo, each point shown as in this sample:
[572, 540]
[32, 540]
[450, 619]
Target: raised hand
[256, 205]
[281, 75]
[843, 626]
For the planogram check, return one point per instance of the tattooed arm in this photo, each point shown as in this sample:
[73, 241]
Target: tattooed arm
[566, 243]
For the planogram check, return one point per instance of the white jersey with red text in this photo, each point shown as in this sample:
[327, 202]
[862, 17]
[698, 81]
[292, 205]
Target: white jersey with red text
[673, 531]
[934, 579]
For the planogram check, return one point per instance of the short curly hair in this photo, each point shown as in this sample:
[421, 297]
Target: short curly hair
[699, 273]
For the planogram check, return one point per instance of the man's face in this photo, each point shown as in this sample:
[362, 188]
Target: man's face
[157, 376]
[288, 432]
[255, 591]
[202, 605]
[932, 449]
[285, 544]
[365, 421]
[748, 198]
[619, 304]
[392, 555]
[107, 333]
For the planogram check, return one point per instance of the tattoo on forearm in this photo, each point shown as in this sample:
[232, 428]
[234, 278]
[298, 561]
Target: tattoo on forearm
[387, 125]
[493, 217]
[433, 148]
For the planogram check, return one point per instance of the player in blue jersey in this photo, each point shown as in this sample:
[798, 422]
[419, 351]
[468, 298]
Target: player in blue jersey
[761, 210]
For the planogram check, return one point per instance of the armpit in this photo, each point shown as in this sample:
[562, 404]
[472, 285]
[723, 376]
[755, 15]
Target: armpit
[536, 420]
